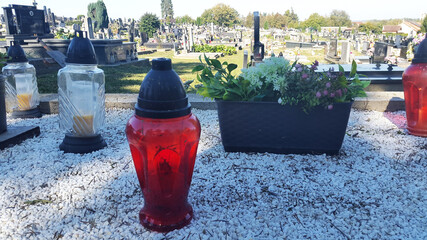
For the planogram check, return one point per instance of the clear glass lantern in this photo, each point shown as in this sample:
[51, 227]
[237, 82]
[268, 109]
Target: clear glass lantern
[81, 91]
[22, 95]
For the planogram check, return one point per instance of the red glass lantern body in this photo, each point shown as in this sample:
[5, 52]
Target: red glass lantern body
[415, 87]
[164, 153]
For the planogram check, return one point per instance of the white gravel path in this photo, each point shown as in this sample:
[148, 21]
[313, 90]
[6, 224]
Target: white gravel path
[375, 189]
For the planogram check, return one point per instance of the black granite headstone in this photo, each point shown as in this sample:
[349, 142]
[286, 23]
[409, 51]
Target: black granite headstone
[29, 20]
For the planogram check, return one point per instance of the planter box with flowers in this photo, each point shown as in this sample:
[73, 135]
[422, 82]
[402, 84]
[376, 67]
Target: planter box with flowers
[280, 107]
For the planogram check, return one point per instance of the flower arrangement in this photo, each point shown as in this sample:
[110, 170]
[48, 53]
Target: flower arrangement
[277, 80]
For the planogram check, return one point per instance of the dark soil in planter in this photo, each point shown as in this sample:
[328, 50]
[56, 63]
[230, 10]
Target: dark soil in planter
[271, 127]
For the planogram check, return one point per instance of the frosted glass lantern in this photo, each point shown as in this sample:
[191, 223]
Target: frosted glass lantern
[22, 94]
[81, 91]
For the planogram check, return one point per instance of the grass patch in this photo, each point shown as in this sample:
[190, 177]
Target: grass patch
[128, 78]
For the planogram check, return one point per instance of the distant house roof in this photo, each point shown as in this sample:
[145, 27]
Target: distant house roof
[414, 25]
[391, 28]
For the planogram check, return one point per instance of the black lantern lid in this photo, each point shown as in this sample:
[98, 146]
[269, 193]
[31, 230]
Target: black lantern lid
[15, 53]
[421, 54]
[81, 50]
[162, 94]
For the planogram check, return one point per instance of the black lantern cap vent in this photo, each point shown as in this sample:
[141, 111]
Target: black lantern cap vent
[421, 54]
[162, 94]
[15, 53]
[80, 50]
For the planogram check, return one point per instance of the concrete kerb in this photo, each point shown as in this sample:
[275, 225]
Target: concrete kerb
[376, 101]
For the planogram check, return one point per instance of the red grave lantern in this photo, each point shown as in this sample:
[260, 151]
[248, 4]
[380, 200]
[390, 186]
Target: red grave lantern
[415, 87]
[163, 136]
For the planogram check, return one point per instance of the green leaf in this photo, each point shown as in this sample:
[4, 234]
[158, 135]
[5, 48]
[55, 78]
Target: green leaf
[231, 67]
[198, 68]
[341, 68]
[353, 69]
[216, 64]
[207, 60]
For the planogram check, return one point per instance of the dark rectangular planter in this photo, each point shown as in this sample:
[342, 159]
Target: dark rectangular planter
[271, 127]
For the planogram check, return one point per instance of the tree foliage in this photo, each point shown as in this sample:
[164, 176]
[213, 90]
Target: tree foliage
[186, 19]
[221, 14]
[292, 18]
[424, 24]
[97, 11]
[371, 27]
[315, 21]
[339, 18]
[167, 11]
[149, 23]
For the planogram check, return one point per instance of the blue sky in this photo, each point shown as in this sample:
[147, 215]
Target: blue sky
[357, 9]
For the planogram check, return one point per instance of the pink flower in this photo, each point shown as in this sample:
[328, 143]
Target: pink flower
[325, 92]
[328, 84]
[339, 92]
[332, 95]
[318, 94]
[330, 107]
[304, 76]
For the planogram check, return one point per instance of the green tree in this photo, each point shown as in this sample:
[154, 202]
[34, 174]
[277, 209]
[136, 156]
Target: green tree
[199, 21]
[371, 27]
[249, 20]
[291, 18]
[315, 21]
[340, 18]
[221, 14]
[184, 20]
[424, 24]
[80, 17]
[167, 11]
[149, 23]
[98, 12]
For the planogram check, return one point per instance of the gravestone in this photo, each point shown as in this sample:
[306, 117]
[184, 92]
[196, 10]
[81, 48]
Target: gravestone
[403, 52]
[345, 52]
[76, 27]
[365, 47]
[27, 20]
[333, 48]
[109, 33]
[88, 27]
[53, 20]
[132, 31]
[332, 55]
[380, 52]
[398, 41]
[191, 40]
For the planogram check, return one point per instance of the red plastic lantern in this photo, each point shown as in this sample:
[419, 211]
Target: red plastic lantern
[415, 87]
[163, 136]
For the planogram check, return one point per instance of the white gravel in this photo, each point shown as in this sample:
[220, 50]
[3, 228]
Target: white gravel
[375, 189]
